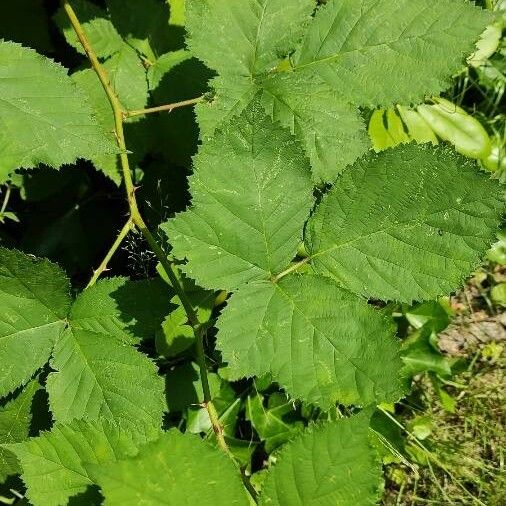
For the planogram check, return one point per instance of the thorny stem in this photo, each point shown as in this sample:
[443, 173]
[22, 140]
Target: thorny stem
[138, 221]
[117, 243]
[166, 107]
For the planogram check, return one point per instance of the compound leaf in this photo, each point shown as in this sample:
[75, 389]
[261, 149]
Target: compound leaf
[379, 52]
[98, 376]
[232, 96]
[54, 464]
[177, 469]
[34, 301]
[331, 130]
[15, 418]
[407, 224]
[246, 37]
[321, 343]
[252, 192]
[43, 116]
[329, 464]
[240, 40]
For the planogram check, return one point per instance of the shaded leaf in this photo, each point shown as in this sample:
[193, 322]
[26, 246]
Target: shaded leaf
[274, 425]
[34, 300]
[95, 21]
[129, 310]
[15, 418]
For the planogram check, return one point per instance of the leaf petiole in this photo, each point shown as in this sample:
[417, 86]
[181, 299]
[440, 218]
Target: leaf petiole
[162, 108]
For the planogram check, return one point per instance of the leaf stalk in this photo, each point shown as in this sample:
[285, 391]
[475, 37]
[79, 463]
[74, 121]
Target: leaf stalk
[127, 227]
[6, 199]
[162, 108]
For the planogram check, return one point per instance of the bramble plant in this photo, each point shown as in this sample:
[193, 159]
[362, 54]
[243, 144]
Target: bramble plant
[295, 235]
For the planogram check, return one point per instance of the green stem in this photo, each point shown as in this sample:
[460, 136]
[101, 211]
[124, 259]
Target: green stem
[201, 359]
[138, 221]
[6, 199]
[167, 107]
[103, 266]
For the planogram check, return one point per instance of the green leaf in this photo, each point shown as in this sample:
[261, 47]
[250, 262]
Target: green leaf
[177, 469]
[399, 52]
[455, 125]
[435, 314]
[163, 65]
[88, 83]
[99, 30]
[144, 25]
[232, 95]
[98, 376]
[34, 300]
[321, 343]
[498, 294]
[497, 252]
[54, 464]
[129, 310]
[128, 78]
[379, 52]
[268, 30]
[407, 224]
[247, 37]
[15, 418]
[176, 334]
[275, 425]
[184, 388]
[419, 355]
[333, 463]
[43, 116]
[177, 12]
[251, 193]
[331, 130]
[418, 129]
